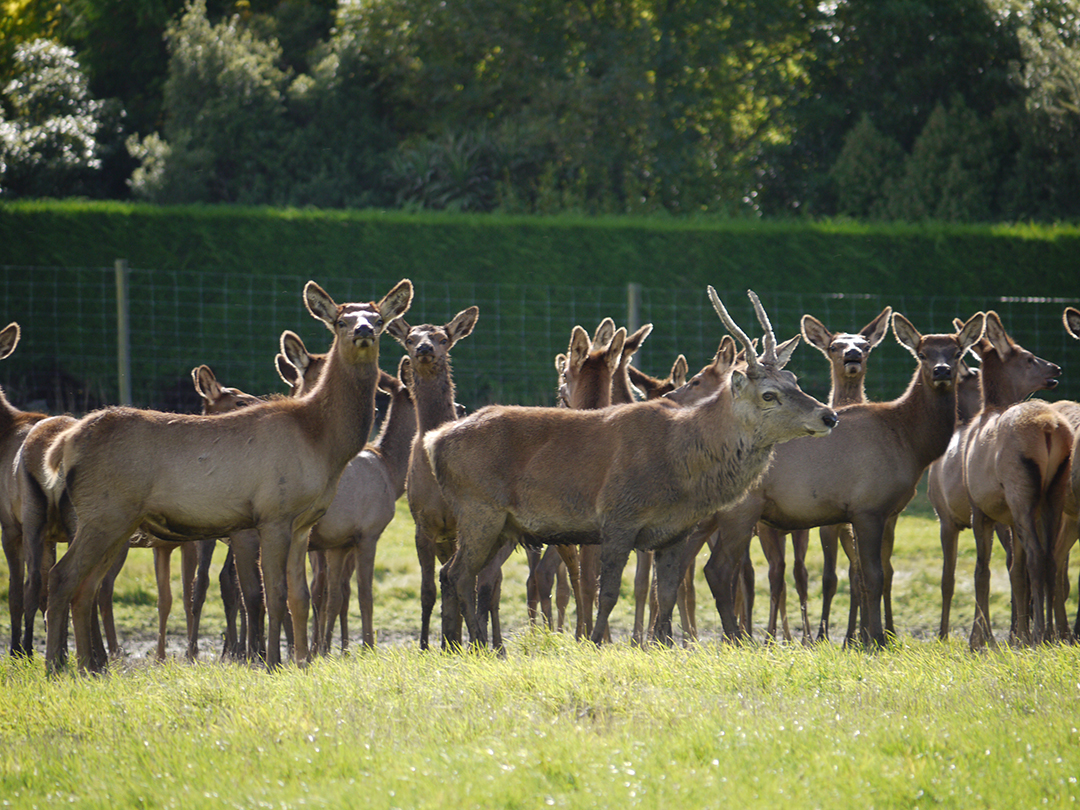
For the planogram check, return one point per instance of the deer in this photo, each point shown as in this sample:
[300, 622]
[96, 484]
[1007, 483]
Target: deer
[946, 483]
[848, 354]
[428, 349]
[1070, 318]
[273, 467]
[586, 374]
[14, 426]
[585, 476]
[1016, 467]
[362, 508]
[862, 473]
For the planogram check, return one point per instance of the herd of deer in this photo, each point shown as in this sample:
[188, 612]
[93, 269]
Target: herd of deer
[628, 463]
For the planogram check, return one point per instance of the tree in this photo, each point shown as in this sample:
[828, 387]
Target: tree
[49, 124]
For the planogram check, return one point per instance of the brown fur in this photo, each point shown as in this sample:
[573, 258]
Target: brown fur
[1016, 460]
[428, 347]
[514, 471]
[272, 466]
[862, 473]
[14, 426]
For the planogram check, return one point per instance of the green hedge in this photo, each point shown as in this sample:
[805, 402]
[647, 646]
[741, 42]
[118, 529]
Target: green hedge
[217, 285]
[791, 256]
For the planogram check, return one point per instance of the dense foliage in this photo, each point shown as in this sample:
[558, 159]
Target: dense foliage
[957, 110]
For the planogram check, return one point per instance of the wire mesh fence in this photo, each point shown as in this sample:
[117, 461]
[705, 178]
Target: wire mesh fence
[67, 360]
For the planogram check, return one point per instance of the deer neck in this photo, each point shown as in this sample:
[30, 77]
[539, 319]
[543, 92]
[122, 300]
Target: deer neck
[736, 456]
[395, 439]
[433, 395]
[9, 415]
[594, 391]
[344, 400]
[621, 390]
[847, 390]
[927, 416]
[998, 390]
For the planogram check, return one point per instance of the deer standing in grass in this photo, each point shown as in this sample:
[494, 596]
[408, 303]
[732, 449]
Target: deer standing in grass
[862, 473]
[586, 373]
[362, 508]
[1016, 465]
[428, 348]
[1068, 536]
[847, 354]
[14, 426]
[638, 476]
[1018, 375]
[272, 466]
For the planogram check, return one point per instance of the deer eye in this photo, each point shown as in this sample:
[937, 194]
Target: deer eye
[769, 396]
[379, 322]
[341, 324]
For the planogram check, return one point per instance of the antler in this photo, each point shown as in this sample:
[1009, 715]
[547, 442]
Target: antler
[769, 356]
[751, 354]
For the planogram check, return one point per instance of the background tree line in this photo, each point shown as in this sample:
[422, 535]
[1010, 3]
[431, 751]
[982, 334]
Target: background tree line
[959, 110]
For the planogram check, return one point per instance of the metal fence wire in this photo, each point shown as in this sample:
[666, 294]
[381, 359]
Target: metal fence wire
[67, 359]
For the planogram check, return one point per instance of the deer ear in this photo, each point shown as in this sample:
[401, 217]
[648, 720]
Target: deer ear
[972, 331]
[398, 329]
[294, 350]
[815, 333]
[605, 331]
[995, 333]
[725, 354]
[785, 350]
[320, 304]
[404, 371]
[678, 371]
[578, 352]
[462, 324]
[206, 384]
[739, 382]
[9, 339]
[634, 341]
[396, 302]
[876, 329]
[1071, 318]
[286, 370]
[906, 334]
[616, 350]
[560, 363]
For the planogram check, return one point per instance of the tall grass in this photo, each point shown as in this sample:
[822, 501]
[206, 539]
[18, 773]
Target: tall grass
[556, 723]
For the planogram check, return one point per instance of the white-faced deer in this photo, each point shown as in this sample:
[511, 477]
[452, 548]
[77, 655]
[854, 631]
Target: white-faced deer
[14, 425]
[428, 348]
[272, 466]
[1016, 465]
[862, 473]
[638, 476]
[847, 354]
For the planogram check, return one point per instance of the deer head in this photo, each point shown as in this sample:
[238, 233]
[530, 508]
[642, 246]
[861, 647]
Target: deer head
[938, 355]
[428, 345]
[357, 327]
[216, 397]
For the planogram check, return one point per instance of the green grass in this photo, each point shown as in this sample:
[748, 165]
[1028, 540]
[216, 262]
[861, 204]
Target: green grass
[556, 723]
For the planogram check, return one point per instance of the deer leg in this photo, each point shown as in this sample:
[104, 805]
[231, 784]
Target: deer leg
[868, 529]
[230, 598]
[246, 555]
[12, 540]
[1063, 543]
[562, 595]
[830, 546]
[274, 553]
[105, 601]
[642, 593]
[346, 595]
[425, 553]
[533, 555]
[204, 556]
[722, 571]
[299, 597]
[189, 563]
[571, 557]
[800, 542]
[319, 598]
[950, 534]
[846, 536]
[589, 561]
[772, 545]
[888, 539]
[365, 585]
[982, 527]
[488, 592]
[614, 553]
[164, 599]
[545, 574]
[669, 563]
[333, 573]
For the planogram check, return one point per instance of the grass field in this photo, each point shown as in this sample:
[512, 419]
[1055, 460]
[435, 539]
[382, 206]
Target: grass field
[558, 723]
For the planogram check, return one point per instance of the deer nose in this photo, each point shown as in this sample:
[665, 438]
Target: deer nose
[852, 356]
[424, 348]
[830, 420]
[363, 331]
[942, 371]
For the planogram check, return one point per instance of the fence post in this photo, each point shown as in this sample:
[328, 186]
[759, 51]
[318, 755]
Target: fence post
[123, 333]
[633, 311]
